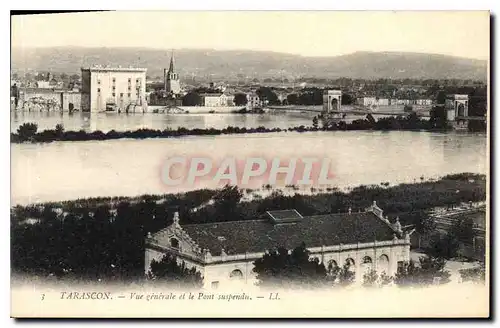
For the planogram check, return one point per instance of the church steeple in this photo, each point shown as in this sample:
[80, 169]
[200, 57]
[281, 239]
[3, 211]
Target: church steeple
[171, 67]
[172, 83]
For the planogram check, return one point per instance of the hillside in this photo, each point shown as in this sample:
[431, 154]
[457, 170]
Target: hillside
[224, 64]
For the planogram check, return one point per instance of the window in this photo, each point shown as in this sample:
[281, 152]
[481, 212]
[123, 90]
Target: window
[236, 275]
[121, 94]
[137, 81]
[98, 89]
[98, 82]
[350, 262]
[114, 87]
[367, 260]
[128, 94]
[129, 88]
[215, 284]
[174, 243]
[114, 94]
[114, 79]
[332, 267]
[129, 80]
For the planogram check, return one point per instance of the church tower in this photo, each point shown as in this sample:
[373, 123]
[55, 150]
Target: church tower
[172, 83]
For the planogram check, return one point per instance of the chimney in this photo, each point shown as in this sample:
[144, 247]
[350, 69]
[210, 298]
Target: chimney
[176, 218]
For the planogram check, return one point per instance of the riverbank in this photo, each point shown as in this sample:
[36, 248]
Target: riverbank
[28, 132]
[110, 232]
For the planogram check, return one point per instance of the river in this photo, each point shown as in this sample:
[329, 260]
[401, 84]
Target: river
[129, 122]
[69, 170]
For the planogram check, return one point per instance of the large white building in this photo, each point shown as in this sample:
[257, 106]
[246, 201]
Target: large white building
[113, 88]
[224, 252]
[372, 101]
[216, 100]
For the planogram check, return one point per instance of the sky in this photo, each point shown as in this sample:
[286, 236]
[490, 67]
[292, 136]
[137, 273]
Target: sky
[307, 33]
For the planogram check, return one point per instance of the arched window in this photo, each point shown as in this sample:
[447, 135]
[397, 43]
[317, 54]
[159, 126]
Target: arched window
[367, 264]
[367, 260]
[383, 264]
[236, 275]
[332, 267]
[383, 258]
[174, 242]
[350, 264]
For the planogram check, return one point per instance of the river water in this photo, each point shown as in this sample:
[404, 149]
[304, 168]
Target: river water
[69, 170]
[129, 122]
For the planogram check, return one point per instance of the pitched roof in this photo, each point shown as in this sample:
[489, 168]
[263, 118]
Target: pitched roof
[284, 216]
[315, 231]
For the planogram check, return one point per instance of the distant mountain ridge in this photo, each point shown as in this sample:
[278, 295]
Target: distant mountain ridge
[259, 64]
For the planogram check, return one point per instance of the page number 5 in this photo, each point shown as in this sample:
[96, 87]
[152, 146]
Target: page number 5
[43, 297]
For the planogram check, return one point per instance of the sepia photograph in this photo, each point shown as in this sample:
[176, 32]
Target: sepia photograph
[250, 164]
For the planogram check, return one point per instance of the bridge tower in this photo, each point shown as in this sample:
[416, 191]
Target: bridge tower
[457, 110]
[332, 100]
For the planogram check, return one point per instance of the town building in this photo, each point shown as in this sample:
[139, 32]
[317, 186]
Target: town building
[113, 88]
[41, 99]
[224, 252]
[171, 79]
[216, 100]
[372, 101]
[253, 101]
[49, 83]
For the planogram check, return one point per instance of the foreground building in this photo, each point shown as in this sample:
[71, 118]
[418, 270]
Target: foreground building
[224, 252]
[113, 88]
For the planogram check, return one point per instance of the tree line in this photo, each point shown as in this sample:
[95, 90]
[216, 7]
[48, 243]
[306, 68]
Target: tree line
[104, 238]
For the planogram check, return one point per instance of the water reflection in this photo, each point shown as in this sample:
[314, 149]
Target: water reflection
[123, 122]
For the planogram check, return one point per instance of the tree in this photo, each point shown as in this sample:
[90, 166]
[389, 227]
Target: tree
[425, 224]
[59, 130]
[168, 270]
[292, 99]
[27, 131]
[40, 77]
[347, 99]
[74, 77]
[441, 98]
[345, 275]
[267, 94]
[315, 122]
[191, 99]
[370, 279]
[279, 268]
[443, 246]
[438, 118]
[226, 202]
[240, 99]
[463, 230]
[429, 271]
